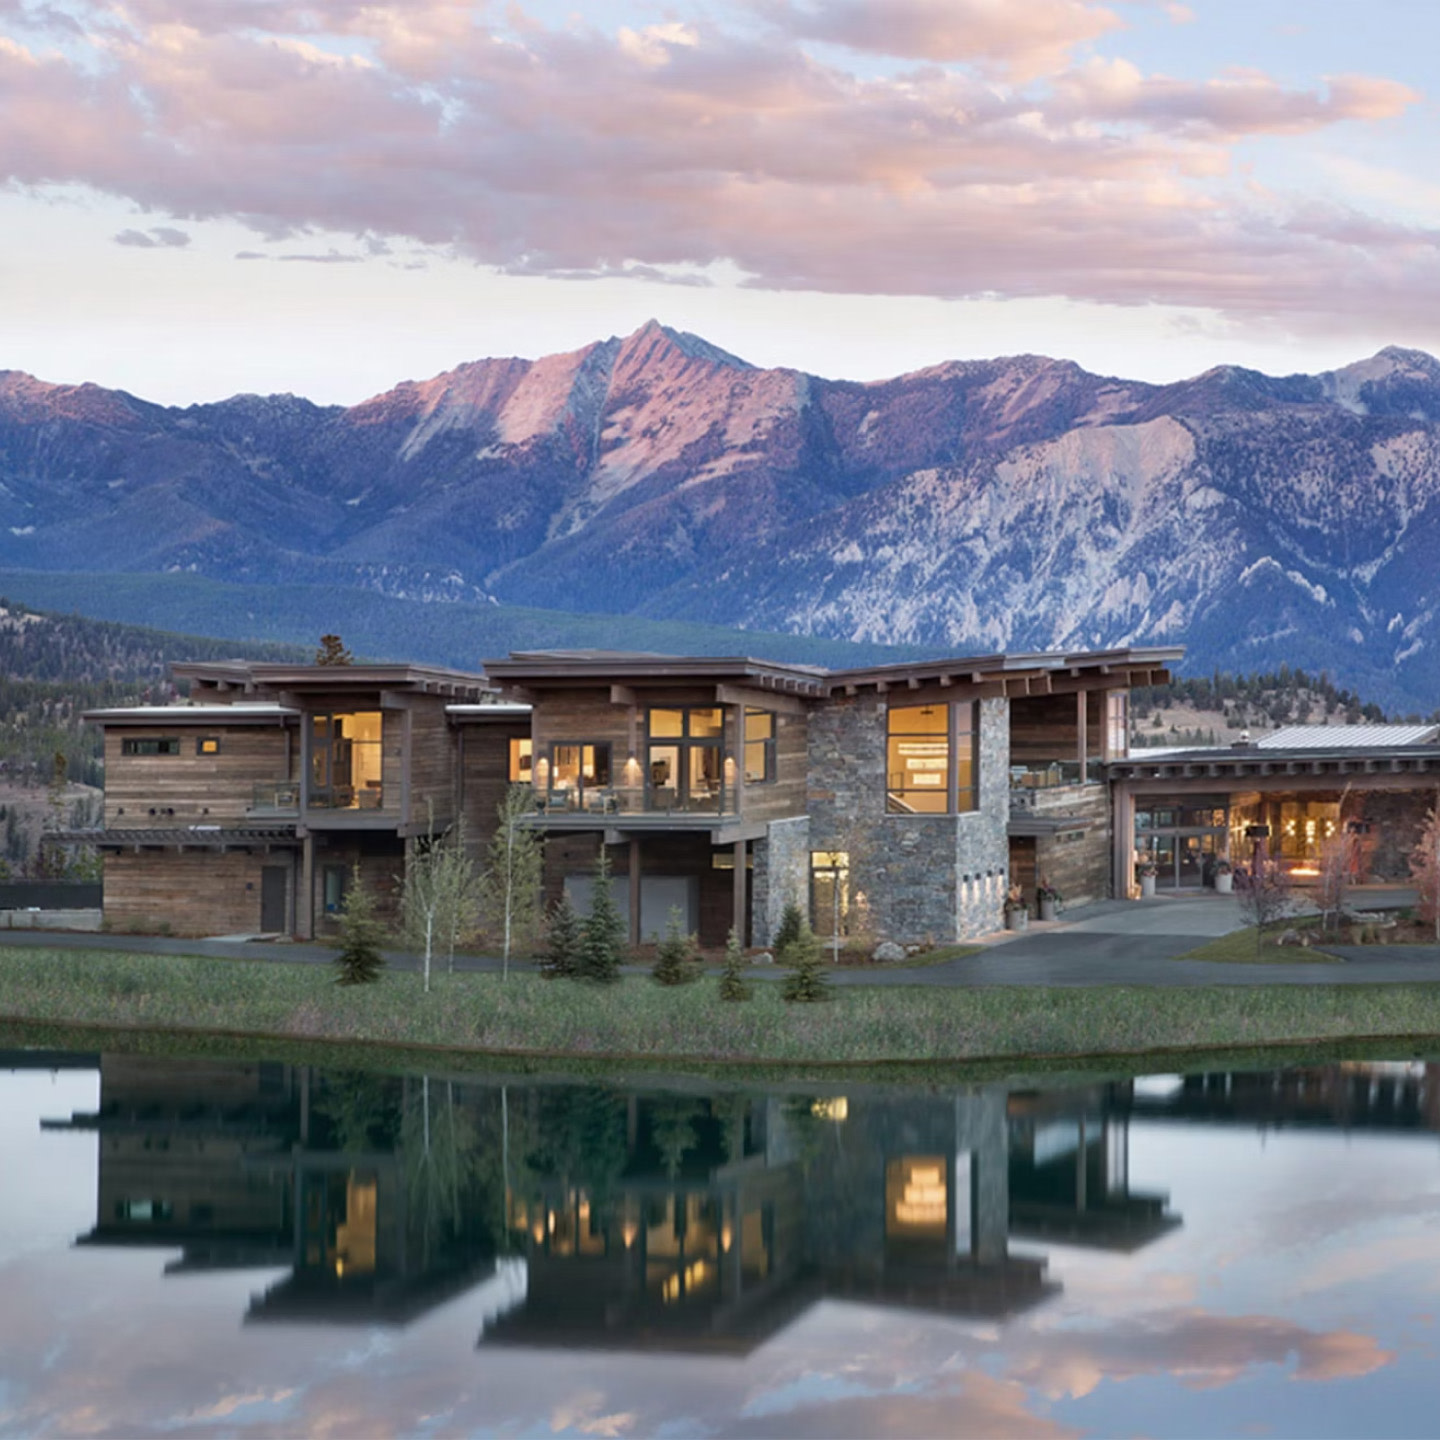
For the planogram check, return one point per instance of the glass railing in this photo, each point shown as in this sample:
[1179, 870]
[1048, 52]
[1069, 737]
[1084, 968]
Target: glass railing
[369, 796]
[1047, 774]
[275, 797]
[622, 800]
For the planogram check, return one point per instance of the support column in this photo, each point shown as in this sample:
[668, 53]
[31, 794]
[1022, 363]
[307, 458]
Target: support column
[741, 889]
[305, 895]
[635, 890]
[1082, 703]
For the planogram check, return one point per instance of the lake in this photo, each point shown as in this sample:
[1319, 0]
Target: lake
[193, 1247]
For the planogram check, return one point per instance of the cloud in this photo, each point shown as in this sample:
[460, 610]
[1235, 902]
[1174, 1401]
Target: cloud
[1021, 41]
[677, 147]
[160, 237]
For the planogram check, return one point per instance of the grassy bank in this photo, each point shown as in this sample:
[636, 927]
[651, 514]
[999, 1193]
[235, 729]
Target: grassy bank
[636, 1020]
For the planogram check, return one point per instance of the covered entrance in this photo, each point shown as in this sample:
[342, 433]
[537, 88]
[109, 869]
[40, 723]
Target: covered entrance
[1182, 838]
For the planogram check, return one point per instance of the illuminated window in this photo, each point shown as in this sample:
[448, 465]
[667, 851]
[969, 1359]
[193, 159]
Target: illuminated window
[759, 747]
[522, 754]
[208, 745]
[930, 759]
[830, 892]
[345, 760]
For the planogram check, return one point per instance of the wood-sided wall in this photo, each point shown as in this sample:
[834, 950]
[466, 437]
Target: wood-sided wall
[189, 892]
[149, 791]
[483, 774]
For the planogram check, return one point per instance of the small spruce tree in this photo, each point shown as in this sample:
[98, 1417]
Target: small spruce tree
[602, 933]
[672, 953]
[359, 961]
[792, 922]
[332, 651]
[733, 985]
[807, 982]
[561, 960]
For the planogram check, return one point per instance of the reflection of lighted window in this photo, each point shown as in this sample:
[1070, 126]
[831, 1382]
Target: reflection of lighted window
[355, 1236]
[916, 1197]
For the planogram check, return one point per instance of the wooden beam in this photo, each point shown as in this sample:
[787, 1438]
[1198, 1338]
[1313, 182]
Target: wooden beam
[623, 695]
[635, 890]
[762, 700]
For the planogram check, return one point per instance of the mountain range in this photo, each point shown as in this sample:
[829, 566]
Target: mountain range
[1017, 503]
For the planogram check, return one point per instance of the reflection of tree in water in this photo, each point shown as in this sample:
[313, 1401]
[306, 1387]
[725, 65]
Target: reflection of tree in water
[731, 1112]
[362, 1110]
[439, 1143]
[673, 1126]
[579, 1138]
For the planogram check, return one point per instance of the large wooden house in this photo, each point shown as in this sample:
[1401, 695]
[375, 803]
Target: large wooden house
[899, 802]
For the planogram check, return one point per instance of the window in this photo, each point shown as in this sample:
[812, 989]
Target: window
[345, 760]
[683, 758]
[1117, 725]
[931, 762]
[579, 767]
[522, 754]
[169, 745]
[830, 892]
[208, 745]
[334, 881]
[759, 747]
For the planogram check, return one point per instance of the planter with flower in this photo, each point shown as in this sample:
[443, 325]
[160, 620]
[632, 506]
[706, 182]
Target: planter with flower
[1017, 909]
[1048, 898]
[1224, 876]
[1147, 873]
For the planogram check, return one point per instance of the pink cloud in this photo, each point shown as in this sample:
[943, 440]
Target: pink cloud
[576, 152]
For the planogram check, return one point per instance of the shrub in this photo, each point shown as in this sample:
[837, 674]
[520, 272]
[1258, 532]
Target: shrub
[561, 960]
[808, 982]
[359, 961]
[673, 953]
[792, 923]
[733, 985]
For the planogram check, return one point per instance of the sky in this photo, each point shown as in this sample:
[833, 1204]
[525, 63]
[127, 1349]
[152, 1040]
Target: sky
[201, 197]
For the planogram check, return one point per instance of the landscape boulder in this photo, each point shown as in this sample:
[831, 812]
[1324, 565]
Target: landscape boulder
[887, 952]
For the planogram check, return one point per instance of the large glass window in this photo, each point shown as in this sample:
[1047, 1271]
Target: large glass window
[684, 758]
[930, 766]
[345, 761]
[579, 767]
[759, 747]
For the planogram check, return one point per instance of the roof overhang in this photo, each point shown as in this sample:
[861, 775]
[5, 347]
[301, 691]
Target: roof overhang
[1016, 676]
[561, 669]
[241, 677]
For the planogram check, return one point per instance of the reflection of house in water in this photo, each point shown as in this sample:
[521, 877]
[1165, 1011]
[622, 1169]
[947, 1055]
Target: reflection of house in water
[1070, 1173]
[173, 1139]
[1351, 1096]
[219, 1161]
[775, 1204]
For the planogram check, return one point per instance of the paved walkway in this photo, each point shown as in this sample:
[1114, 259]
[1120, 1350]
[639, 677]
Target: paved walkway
[1114, 942]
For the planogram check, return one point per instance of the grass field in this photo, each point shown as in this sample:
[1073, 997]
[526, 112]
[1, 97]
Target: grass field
[528, 1017]
[1239, 948]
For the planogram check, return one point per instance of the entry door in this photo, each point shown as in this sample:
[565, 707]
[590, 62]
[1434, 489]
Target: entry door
[273, 885]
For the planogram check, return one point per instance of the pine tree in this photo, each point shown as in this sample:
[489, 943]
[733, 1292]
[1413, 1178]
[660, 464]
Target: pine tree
[332, 651]
[792, 922]
[359, 961]
[808, 981]
[602, 934]
[561, 960]
[733, 985]
[672, 953]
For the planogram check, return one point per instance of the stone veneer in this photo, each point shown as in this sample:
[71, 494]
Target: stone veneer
[781, 875]
[924, 877]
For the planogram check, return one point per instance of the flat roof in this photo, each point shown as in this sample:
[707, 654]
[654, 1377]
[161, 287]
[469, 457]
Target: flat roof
[247, 675]
[1346, 737]
[558, 667]
[243, 712]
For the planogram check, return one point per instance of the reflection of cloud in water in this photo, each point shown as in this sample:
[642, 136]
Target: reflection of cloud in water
[1201, 1350]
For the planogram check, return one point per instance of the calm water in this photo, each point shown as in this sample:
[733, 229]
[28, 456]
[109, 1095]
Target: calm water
[252, 1249]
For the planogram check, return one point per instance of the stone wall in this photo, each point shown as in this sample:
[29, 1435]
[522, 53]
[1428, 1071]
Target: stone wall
[781, 875]
[923, 877]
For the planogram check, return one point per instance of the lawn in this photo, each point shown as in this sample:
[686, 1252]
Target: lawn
[1239, 948]
[635, 1019]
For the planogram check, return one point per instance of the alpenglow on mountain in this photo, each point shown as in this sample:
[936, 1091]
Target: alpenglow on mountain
[1017, 503]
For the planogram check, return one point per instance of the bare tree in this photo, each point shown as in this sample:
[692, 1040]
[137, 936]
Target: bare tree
[514, 862]
[1337, 863]
[440, 894]
[1267, 898]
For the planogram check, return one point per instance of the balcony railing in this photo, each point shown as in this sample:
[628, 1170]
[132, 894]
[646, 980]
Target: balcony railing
[1046, 774]
[652, 800]
[369, 796]
[275, 797]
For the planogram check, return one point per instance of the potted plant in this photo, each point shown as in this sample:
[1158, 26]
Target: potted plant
[1048, 898]
[1147, 873]
[1224, 876]
[1017, 909]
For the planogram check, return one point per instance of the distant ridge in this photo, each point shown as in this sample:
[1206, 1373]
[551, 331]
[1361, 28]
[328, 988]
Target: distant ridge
[1017, 503]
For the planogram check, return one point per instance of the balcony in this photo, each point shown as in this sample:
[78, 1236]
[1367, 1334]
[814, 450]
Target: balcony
[1032, 782]
[276, 799]
[657, 801]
